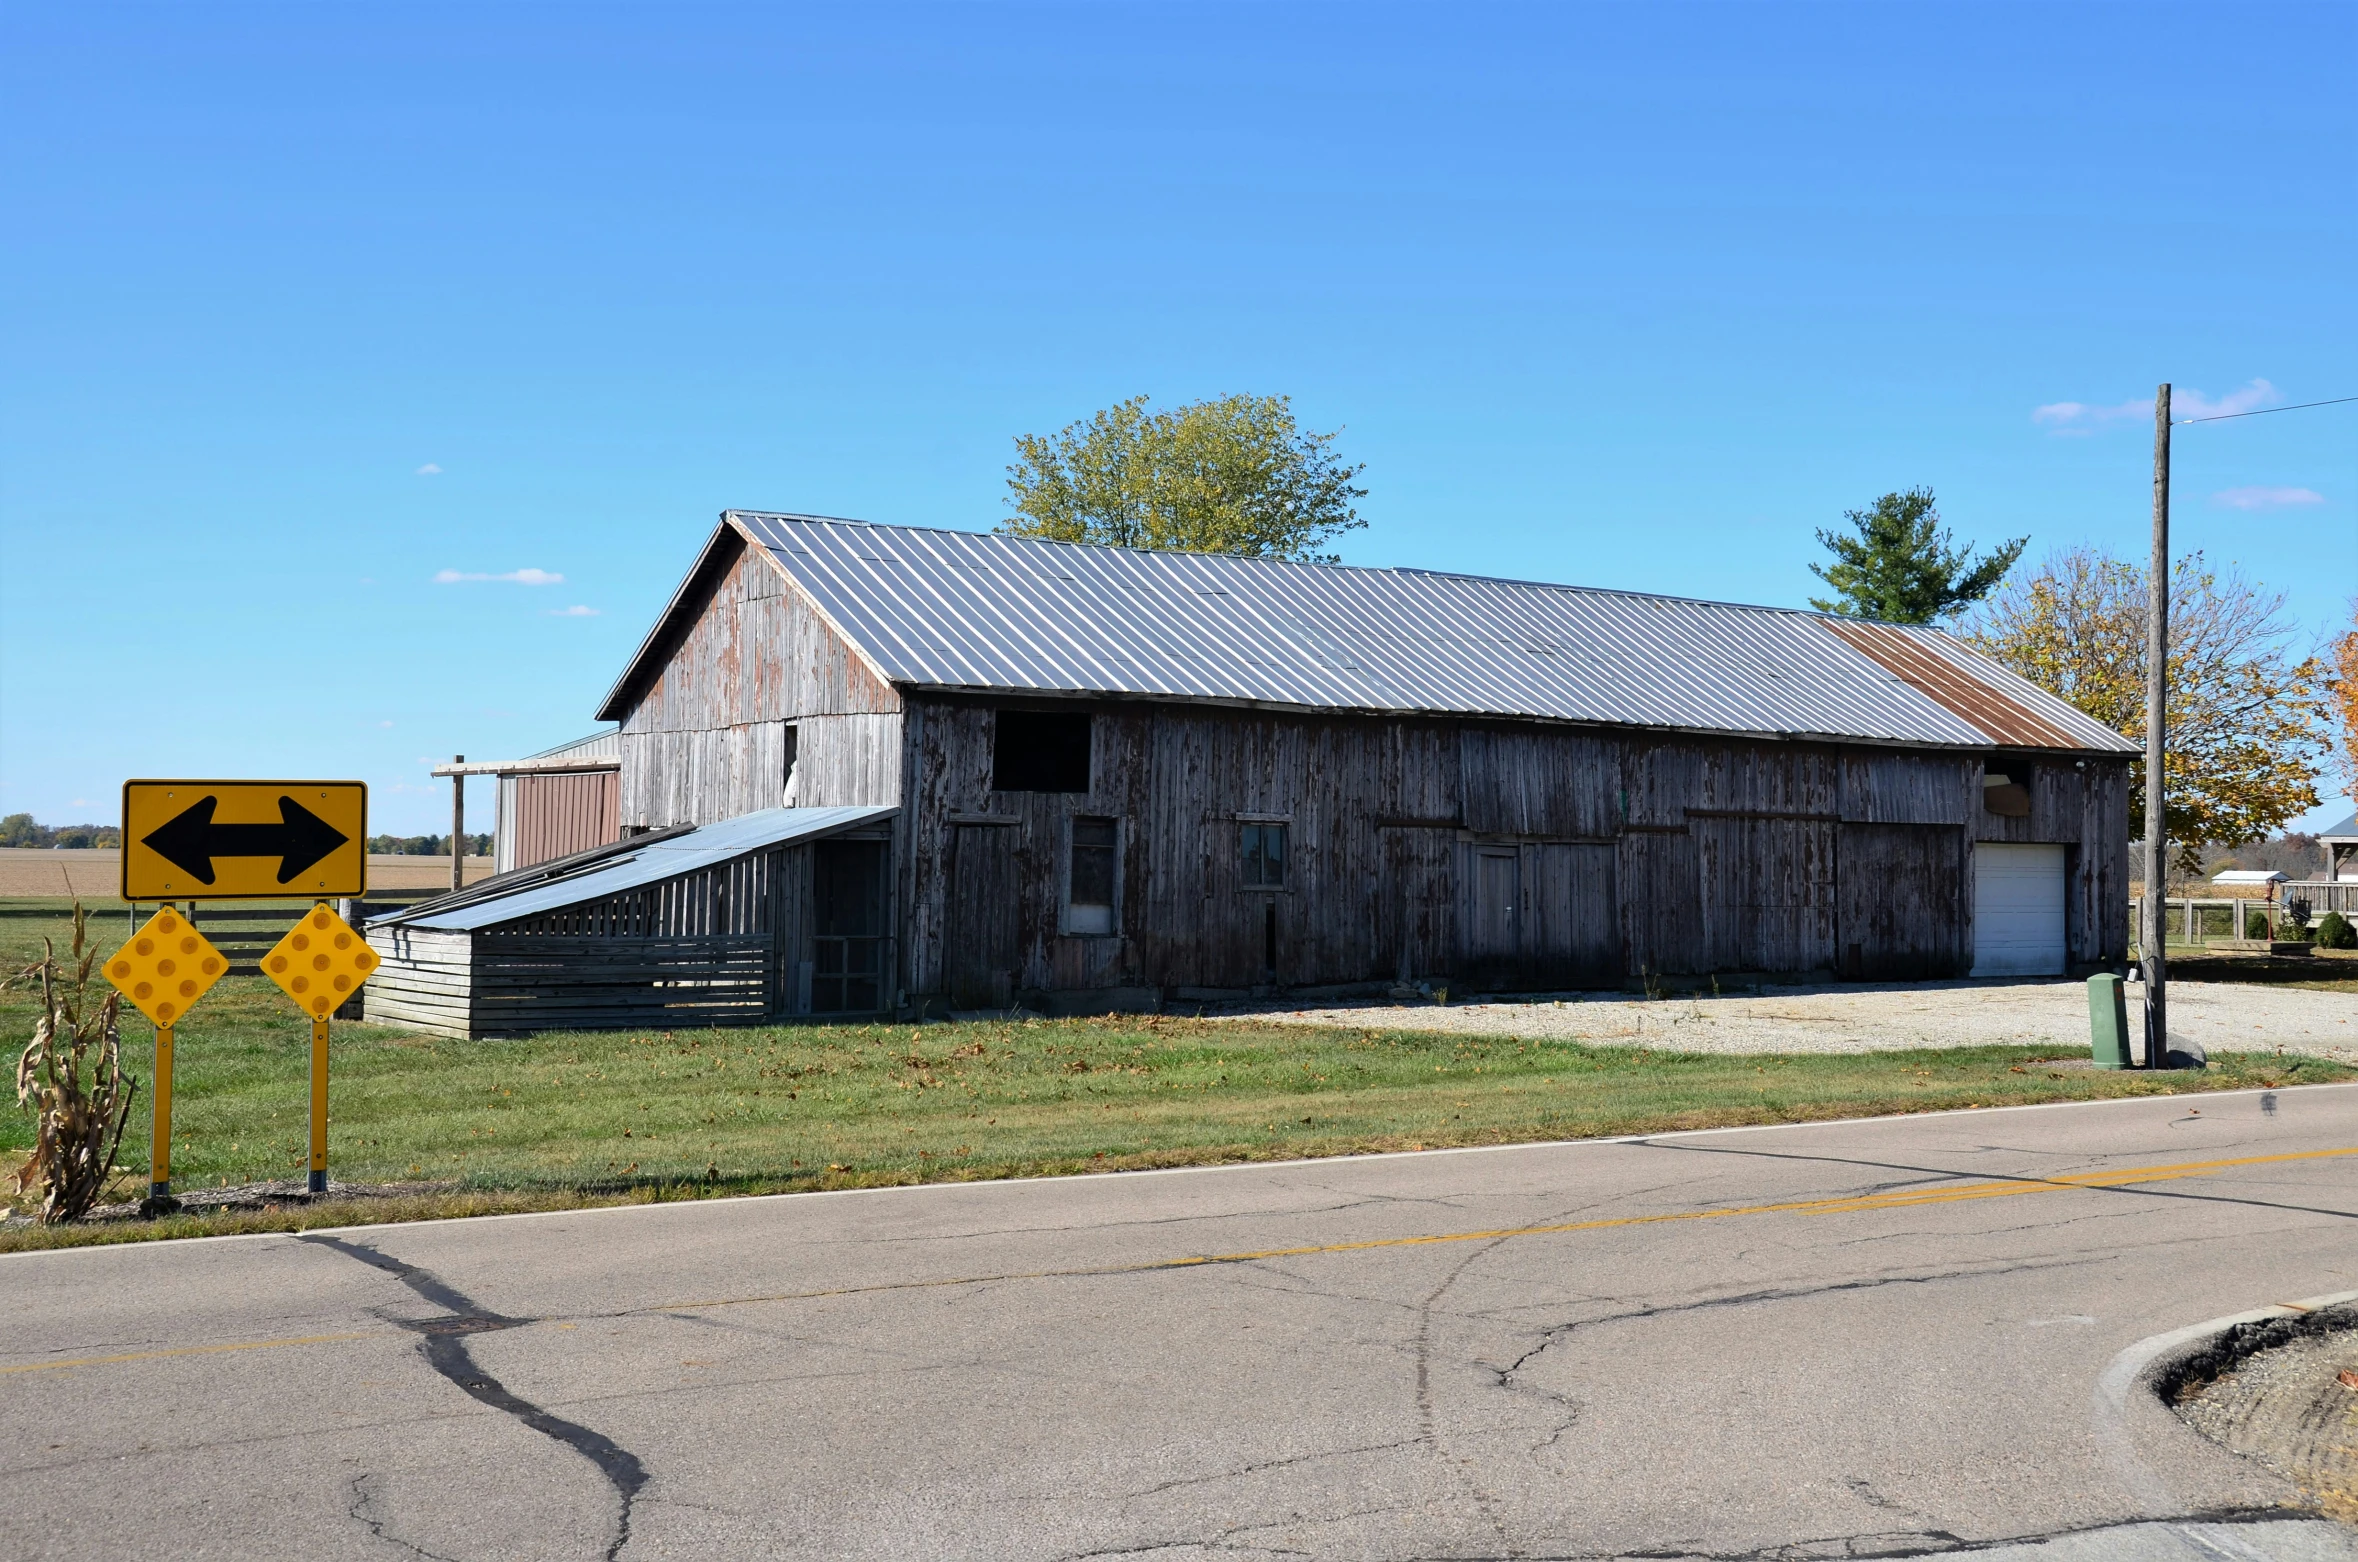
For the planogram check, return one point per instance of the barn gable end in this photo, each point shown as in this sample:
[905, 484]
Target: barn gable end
[743, 687]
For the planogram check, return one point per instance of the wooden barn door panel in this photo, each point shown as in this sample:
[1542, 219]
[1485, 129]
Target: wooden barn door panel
[1902, 902]
[979, 944]
[1416, 903]
[1769, 894]
[1573, 937]
[1660, 879]
[1494, 916]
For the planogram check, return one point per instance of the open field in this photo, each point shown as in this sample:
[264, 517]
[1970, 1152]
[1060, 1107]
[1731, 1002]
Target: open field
[95, 873]
[563, 1119]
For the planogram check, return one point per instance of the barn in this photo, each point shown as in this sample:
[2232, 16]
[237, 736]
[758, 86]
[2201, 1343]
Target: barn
[1113, 778]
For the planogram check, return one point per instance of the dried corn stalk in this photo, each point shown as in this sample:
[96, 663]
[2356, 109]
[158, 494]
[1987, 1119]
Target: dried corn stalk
[71, 1079]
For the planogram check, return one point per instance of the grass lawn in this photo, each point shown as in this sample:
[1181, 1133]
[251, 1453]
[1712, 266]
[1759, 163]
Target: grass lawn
[635, 1115]
[2320, 970]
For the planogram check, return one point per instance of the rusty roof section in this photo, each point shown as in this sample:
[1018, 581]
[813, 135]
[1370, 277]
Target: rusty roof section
[1952, 687]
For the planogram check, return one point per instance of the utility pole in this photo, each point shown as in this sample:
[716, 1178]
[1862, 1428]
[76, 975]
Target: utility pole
[458, 824]
[2152, 936]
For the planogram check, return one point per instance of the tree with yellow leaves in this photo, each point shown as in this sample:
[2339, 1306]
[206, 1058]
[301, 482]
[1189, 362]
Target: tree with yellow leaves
[2342, 655]
[2247, 718]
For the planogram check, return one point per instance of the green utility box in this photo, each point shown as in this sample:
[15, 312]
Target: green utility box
[2108, 1021]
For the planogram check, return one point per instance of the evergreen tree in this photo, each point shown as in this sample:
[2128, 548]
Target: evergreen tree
[1900, 568]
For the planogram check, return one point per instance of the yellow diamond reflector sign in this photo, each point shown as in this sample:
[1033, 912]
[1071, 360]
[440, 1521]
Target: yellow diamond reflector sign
[166, 967]
[321, 962]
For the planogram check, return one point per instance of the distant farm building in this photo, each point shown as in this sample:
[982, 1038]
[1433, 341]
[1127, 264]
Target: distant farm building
[551, 804]
[1107, 778]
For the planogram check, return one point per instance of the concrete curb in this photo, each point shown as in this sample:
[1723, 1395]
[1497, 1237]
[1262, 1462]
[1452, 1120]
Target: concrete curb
[2129, 1412]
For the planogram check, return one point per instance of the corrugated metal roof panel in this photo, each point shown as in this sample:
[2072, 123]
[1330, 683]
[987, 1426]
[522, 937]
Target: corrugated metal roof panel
[598, 745]
[704, 847]
[974, 610]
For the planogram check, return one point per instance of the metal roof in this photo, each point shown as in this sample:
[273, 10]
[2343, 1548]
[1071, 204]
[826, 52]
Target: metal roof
[703, 847]
[974, 610]
[2346, 830]
[606, 744]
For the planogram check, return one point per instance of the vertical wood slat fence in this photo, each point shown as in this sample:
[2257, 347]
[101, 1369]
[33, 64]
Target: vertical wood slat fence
[731, 943]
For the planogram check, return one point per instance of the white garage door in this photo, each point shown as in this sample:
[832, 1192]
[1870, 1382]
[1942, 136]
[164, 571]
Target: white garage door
[2017, 910]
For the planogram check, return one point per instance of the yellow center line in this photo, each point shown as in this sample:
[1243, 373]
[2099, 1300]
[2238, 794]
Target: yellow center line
[185, 1350]
[1898, 1199]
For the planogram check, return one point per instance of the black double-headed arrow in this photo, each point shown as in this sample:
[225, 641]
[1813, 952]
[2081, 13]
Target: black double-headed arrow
[191, 840]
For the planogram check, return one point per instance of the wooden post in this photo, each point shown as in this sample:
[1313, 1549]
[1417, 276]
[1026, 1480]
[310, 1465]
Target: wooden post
[2155, 933]
[458, 826]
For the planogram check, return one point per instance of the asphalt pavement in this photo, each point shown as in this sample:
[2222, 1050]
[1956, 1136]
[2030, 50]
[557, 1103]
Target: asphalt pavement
[1885, 1338]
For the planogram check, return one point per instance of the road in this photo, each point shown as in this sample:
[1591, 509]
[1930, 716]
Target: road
[1861, 1339]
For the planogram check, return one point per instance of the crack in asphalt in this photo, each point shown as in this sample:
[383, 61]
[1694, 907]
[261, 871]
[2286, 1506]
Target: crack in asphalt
[362, 1511]
[1274, 1464]
[442, 1342]
[1551, 1336]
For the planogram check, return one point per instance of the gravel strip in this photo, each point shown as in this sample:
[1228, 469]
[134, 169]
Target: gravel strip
[2219, 1016]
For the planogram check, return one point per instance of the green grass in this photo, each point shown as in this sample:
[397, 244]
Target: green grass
[568, 1119]
[2320, 970]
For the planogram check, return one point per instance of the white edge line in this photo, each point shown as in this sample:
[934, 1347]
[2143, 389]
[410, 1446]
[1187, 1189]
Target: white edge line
[980, 1183]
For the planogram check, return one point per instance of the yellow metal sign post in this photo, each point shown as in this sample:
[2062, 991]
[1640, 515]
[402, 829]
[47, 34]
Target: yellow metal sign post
[319, 964]
[164, 970]
[218, 840]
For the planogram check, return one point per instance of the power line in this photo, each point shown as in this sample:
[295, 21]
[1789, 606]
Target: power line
[2263, 411]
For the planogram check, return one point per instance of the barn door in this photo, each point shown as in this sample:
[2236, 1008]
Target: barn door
[848, 940]
[1574, 936]
[979, 943]
[1494, 944]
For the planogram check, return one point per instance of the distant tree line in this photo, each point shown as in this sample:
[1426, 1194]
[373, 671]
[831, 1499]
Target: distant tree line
[425, 845]
[22, 830]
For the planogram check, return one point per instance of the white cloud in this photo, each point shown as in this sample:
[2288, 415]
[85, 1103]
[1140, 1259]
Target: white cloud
[2194, 404]
[2078, 417]
[2080, 411]
[429, 470]
[388, 724]
[84, 802]
[575, 611]
[521, 577]
[2265, 498]
[2081, 418]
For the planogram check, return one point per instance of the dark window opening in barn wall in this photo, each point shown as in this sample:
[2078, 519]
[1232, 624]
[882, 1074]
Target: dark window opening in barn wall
[1096, 854]
[791, 742]
[1040, 751]
[1264, 856]
[2005, 789]
[848, 894]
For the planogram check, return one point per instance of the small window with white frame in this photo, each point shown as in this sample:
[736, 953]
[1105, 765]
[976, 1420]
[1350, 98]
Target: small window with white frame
[1265, 848]
[1093, 875]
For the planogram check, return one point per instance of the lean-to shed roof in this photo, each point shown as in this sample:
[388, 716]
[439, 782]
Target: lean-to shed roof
[614, 871]
[978, 611]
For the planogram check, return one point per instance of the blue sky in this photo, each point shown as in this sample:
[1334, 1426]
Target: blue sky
[307, 306]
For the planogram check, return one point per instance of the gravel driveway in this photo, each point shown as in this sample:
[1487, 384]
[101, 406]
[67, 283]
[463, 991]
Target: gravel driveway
[2220, 1016]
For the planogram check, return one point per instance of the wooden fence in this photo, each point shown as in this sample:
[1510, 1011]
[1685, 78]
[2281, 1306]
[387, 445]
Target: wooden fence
[2197, 917]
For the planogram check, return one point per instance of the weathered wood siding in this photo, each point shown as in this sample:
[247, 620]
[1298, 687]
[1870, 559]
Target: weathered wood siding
[1514, 856]
[705, 738]
[726, 945]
